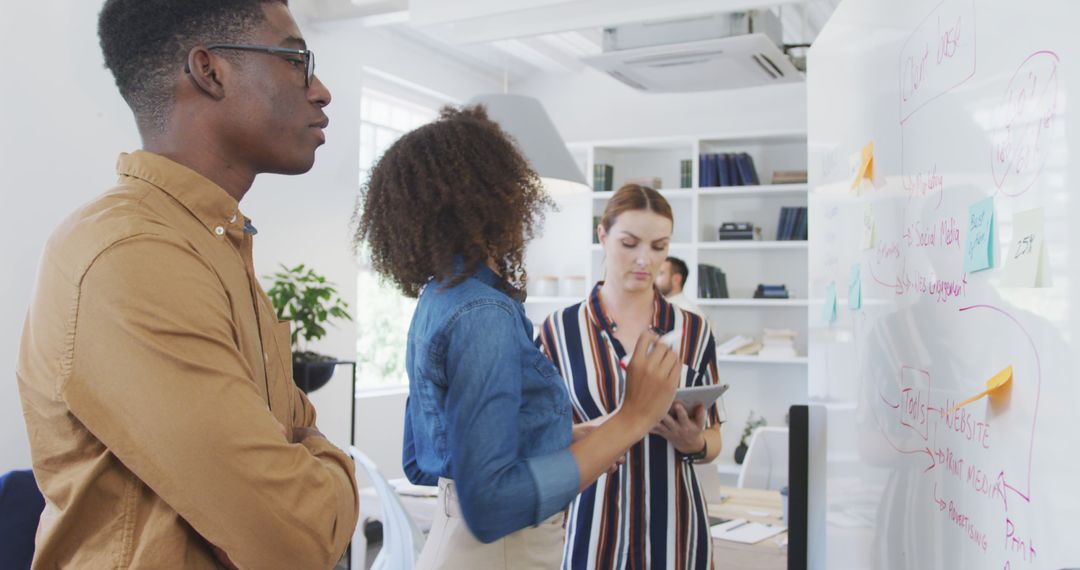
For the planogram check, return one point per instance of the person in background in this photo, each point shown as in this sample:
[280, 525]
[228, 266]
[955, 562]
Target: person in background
[446, 216]
[165, 427]
[649, 513]
[671, 279]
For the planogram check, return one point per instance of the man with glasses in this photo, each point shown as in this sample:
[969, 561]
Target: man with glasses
[165, 428]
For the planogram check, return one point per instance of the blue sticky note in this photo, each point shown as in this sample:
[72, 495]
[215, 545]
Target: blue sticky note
[979, 245]
[828, 314]
[854, 288]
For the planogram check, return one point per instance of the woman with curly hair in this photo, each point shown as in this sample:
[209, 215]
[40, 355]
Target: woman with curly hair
[447, 213]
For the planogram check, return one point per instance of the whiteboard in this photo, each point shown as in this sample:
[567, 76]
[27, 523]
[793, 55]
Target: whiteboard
[963, 100]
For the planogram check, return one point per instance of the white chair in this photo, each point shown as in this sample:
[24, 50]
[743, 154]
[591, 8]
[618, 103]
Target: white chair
[766, 463]
[402, 539]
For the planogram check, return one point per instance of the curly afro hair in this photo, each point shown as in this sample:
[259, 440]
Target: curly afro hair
[455, 187]
[145, 43]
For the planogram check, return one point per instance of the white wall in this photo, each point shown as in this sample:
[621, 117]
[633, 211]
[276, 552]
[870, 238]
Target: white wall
[63, 124]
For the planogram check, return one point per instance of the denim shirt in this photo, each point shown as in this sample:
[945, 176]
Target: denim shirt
[486, 408]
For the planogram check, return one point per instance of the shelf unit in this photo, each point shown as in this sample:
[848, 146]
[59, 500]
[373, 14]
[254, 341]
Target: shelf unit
[768, 386]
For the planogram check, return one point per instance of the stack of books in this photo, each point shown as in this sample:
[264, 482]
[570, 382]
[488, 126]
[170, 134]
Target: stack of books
[789, 177]
[771, 292]
[602, 177]
[726, 169]
[778, 343]
[736, 230]
[792, 225]
[686, 173]
[712, 283]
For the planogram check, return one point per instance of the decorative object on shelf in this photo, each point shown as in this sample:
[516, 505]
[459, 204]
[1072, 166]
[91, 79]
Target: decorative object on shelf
[748, 350]
[603, 177]
[792, 225]
[307, 300]
[572, 286]
[778, 343]
[686, 173]
[595, 224]
[547, 286]
[654, 182]
[712, 283]
[736, 230]
[751, 425]
[789, 177]
[771, 292]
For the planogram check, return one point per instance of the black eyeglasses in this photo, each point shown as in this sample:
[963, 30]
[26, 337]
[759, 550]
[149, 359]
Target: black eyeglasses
[307, 55]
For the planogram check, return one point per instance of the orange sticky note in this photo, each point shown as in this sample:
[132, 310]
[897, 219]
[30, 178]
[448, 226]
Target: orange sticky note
[1000, 379]
[866, 165]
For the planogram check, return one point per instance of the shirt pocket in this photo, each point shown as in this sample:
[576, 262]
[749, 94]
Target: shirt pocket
[543, 393]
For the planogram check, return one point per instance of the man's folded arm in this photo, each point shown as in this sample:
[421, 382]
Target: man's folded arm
[157, 377]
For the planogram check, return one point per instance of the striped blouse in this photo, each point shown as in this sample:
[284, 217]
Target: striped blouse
[651, 513]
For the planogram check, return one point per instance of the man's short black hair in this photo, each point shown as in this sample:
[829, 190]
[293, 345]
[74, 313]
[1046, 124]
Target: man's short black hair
[678, 266]
[146, 42]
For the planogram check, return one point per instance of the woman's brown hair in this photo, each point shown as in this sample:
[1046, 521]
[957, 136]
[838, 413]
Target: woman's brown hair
[632, 197]
[455, 187]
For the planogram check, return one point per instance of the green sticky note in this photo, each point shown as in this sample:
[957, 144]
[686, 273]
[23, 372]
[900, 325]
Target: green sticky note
[854, 289]
[979, 245]
[828, 314]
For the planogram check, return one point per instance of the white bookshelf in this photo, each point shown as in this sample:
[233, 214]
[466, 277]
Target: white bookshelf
[768, 386]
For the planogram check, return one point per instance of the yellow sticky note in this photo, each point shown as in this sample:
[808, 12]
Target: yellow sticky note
[996, 383]
[866, 166]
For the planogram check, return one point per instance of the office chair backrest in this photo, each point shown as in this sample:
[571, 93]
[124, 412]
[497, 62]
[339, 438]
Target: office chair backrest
[766, 462]
[402, 539]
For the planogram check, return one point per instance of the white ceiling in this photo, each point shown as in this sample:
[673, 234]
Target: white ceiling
[516, 39]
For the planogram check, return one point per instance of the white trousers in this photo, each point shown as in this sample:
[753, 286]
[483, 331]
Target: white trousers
[450, 545]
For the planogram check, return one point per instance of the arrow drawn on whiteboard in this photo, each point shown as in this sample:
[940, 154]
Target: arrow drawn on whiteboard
[1024, 494]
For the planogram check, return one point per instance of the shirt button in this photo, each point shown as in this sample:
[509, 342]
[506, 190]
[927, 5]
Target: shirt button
[219, 231]
[266, 357]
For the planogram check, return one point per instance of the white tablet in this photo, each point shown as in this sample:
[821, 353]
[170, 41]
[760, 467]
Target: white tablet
[705, 395]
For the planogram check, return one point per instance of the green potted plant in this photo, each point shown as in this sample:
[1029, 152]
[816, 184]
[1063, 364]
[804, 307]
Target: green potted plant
[308, 301]
[744, 443]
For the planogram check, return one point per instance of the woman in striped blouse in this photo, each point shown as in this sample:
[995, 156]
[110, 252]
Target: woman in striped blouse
[650, 513]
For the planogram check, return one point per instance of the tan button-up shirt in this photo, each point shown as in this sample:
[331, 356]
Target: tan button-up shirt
[155, 379]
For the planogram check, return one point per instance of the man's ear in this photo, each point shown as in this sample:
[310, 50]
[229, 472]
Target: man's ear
[205, 72]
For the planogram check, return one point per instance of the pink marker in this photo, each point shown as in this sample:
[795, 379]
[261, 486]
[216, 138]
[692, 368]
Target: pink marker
[672, 339]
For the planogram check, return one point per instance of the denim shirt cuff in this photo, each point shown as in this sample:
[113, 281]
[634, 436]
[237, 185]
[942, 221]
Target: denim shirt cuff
[557, 479]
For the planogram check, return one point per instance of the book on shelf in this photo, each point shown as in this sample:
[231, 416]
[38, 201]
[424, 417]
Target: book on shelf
[792, 224]
[732, 344]
[726, 169]
[736, 231]
[771, 292]
[789, 177]
[603, 175]
[654, 182]
[749, 350]
[744, 166]
[686, 173]
[595, 224]
[712, 283]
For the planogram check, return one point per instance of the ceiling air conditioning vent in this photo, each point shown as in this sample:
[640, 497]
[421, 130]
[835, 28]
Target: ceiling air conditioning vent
[745, 54]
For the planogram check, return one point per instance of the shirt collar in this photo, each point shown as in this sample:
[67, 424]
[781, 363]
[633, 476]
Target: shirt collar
[663, 314]
[207, 201]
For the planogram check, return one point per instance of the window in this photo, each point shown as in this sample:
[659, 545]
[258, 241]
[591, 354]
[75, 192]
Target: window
[382, 312]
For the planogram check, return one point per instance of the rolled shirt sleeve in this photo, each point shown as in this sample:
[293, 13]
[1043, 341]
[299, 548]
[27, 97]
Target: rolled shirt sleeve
[157, 377]
[500, 491]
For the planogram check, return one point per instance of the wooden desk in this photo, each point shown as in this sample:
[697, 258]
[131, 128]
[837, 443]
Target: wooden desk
[749, 504]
